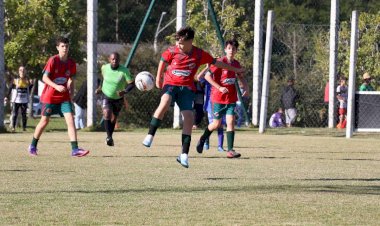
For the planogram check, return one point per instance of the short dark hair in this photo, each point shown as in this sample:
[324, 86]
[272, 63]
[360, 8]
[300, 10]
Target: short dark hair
[185, 33]
[232, 42]
[61, 39]
[116, 54]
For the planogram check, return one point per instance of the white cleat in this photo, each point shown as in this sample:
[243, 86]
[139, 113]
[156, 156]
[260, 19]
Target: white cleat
[147, 142]
[183, 160]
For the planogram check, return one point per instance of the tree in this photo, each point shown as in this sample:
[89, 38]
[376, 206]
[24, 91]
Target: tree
[232, 24]
[368, 58]
[31, 28]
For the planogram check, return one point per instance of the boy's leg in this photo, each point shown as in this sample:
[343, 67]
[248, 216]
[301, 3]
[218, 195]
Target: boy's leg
[207, 133]
[230, 120]
[158, 115]
[67, 110]
[44, 121]
[221, 134]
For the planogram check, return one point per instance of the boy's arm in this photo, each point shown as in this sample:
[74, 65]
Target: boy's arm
[49, 82]
[70, 87]
[214, 84]
[245, 86]
[160, 73]
[220, 64]
[202, 73]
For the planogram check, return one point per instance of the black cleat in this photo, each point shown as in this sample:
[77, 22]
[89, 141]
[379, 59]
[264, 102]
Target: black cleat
[200, 146]
[109, 141]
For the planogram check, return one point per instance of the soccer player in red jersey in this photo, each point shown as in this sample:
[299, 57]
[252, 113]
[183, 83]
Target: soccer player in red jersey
[177, 83]
[224, 97]
[56, 96]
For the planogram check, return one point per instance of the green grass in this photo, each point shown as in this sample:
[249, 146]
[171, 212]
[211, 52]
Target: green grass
[280, 180]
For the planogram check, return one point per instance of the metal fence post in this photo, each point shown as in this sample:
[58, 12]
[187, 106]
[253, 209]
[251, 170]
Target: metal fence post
[257, 54]
[2, 68]
[181, 22]
[334, 21]
[352, 74]
[92, 41]
[266, 73]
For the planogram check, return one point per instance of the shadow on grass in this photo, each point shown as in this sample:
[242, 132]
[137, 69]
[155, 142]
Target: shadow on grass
[343, 179]
[341, 189]
[16, 170]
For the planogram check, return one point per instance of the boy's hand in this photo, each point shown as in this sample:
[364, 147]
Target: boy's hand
[223, 89]
[159, 83]
[60, 88]
[121, 93]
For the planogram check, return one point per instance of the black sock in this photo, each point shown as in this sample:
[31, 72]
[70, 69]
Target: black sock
[113, 124]
[154, 124]
[186, 140]
[108, 127]
[206, 134]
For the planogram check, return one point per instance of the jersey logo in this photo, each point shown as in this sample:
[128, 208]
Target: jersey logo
[181, 73]
[60, 80]
[229, 81]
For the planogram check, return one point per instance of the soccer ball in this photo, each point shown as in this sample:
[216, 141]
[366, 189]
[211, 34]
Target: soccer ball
[144, 81]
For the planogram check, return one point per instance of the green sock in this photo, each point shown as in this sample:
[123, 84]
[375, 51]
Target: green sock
[34, 142]
[230, 140]
[154, 124]
[206, 134]
[74, 145]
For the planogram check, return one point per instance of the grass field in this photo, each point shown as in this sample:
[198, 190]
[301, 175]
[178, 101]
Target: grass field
[280, 180]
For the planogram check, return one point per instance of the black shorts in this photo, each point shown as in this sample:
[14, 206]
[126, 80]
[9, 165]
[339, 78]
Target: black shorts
[115, 105]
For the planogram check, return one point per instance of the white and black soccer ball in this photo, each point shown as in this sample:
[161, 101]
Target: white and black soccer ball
[144, 81]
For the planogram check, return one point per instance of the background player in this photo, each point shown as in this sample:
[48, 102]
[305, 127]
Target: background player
[224, 97]
[55, 97]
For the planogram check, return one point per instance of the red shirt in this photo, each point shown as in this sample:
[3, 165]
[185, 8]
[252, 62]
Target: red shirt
[182, 66]
[226, 79]
[59, 72]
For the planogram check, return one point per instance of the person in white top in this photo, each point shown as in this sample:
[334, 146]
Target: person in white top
[19, 92]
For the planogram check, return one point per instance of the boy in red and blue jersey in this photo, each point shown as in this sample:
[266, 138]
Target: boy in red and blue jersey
[224, 97]
[56, 96]
[177, 83]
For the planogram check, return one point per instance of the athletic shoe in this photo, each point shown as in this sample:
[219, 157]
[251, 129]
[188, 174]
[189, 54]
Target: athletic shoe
[32, 150]
[233, 154]
[200, 145]
[109, 141]
[183, 160]
[79, 152]
[206, 146]
[147, 142]
[221, 149]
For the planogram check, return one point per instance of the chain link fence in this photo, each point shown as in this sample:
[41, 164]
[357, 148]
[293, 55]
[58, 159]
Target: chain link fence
[295, 55]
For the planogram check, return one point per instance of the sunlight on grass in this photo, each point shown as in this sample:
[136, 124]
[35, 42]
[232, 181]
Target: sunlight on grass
[280, 179]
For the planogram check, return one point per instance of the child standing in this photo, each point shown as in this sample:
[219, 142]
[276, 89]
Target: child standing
[342, 96]
[224, 97]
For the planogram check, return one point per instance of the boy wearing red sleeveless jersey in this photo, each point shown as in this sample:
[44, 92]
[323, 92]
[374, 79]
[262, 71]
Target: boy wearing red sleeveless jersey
[182, 61]
[58, 78]
[224, 97]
